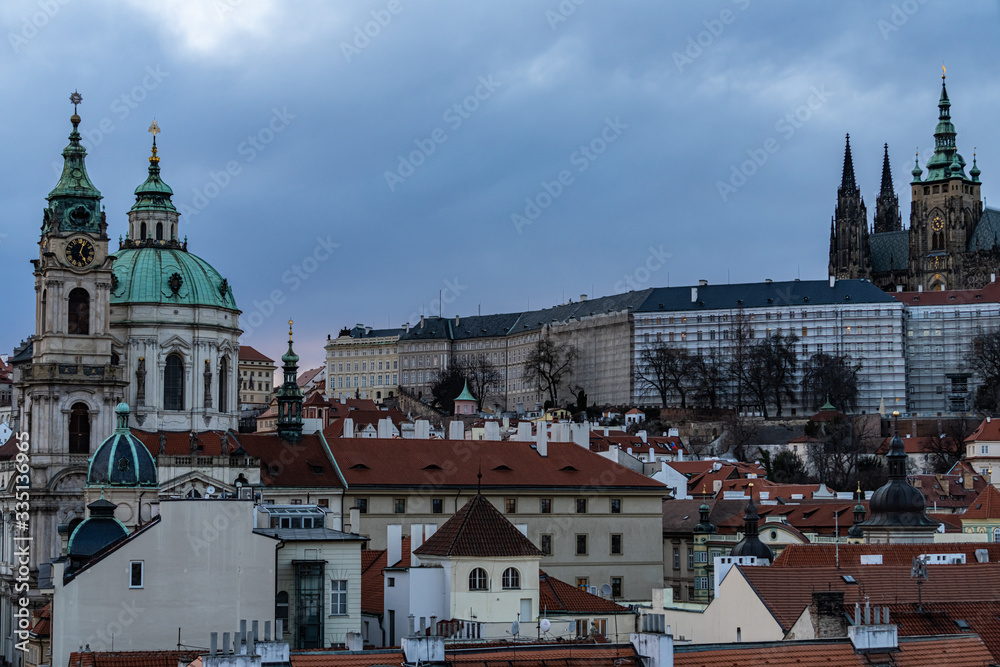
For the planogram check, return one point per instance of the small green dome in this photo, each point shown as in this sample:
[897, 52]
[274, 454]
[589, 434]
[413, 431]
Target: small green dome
[168, 276]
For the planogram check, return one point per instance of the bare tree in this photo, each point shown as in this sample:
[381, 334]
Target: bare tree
[984, 362]
[741, 351]
[831, 378]
[483, 377]
[666, 369]
[845, 446]
[548, 363]
[742, 434]
[711, 379]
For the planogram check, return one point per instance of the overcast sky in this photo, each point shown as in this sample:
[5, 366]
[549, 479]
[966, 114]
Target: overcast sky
[354, 161]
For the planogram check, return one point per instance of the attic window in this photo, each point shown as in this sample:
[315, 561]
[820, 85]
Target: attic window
[432, 466]
[274, 469]
[316, 468]
[848, 579]
[568, 469]
[502, 467]
[962, 624]
[360, 466]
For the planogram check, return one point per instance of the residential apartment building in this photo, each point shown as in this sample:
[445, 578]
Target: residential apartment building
[256, 378]
[940, 328]
[363, 363]
[837, 317]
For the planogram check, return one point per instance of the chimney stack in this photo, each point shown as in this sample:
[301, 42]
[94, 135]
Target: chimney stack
[694, 295]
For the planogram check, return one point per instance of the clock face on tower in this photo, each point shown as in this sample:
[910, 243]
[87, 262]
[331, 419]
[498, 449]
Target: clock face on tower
[937, 223]
[80, 252]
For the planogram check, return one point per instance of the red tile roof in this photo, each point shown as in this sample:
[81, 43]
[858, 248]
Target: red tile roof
[939, 618]
[373, 561]
[178, 443]
[334, 659]
[556, 596]
[825, 555]
[478, 530]
[301, 464]
[986, 506]
[131, 658]
[307, 376]
[954, 651]
[786, 596]
[248, 353]
[805, 516]
[381, 462]
[948, 491]
[561, 654]
[988, 431]
[990, 293]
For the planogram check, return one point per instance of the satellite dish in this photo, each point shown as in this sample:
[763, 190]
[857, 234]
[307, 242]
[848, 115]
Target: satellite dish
[606, 590]
[515, 628]
[544, 625]
[210, 490]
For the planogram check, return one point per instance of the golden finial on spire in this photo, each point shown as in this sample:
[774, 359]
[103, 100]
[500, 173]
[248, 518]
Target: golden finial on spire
[290, 322]
[154, 129]
[943, 71]
[859, 486]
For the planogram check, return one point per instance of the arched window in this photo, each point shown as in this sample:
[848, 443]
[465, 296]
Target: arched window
[478, 581]
[224, 385]
[79, 312]
[173, 383]
[142, 232]
[173, 232]
[45, 309]
[79, 429]
[938, 241]
[159, 231]
[996, 534]
[511, 579]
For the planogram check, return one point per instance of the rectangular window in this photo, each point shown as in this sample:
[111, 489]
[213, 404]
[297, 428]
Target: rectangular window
[601, 626]
[805, 330]
[392, 582]
[616, 544]
[399, 506]
[616, 505]
[362, 505]
[690, 559]
[677, 558]
[135, 579]
[338, 597]
[546, 506]
[581, 545]
[437, 505]
[616, 587]
[510, 505]
[546, 545]
[581, 505]
[582, 629]
[582, 582]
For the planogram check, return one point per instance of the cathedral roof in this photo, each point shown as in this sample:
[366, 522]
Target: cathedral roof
[890, 251]
[987, 231]
[169, 276]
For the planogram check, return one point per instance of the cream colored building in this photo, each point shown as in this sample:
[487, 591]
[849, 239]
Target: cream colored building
[199, 568]
[256, 378]
[363, 362]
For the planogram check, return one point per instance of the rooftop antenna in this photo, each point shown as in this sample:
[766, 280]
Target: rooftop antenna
[919, 572]
[836, 536]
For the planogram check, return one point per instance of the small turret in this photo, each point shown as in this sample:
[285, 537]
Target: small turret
[290, 396]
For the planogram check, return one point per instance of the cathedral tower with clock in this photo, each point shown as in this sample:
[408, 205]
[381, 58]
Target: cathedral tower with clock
[952, 241]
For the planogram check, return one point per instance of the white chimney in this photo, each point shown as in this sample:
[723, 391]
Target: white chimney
[523, 432]
[422, 429]
[920, 288]
[416, 539]
[348, 428]
[394, 543]
[694, 295]
[540, 440]
[642, 436]
[491, 430]
[385, 428]
[833, 281]
[583, 297]
[456, 430]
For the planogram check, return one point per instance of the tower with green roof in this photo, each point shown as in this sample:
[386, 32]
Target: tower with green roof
[290, 395]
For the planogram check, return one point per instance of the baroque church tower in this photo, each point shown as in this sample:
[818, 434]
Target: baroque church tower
[946, 208]
[850, 256]
[73, 380]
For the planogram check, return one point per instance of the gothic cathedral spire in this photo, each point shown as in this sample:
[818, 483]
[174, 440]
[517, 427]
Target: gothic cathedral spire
[850, 255]
[887, 204]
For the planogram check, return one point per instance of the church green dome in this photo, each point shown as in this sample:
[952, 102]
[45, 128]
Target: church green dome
[168, 275]
[122, 460]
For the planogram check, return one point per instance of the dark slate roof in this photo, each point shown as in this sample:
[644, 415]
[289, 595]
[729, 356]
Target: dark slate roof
[762, 295]
[483, 326]
[890, 251]
[22, 354]
[310, 535]
[431, 327]
[361, 332]
[987, 231]
[479, 530]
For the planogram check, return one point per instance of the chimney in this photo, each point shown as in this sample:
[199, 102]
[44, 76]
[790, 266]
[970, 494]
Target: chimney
[716, 485]
[703, 283]
[523, 432]
[920, 288]
[456, 430]
[827, 614]
[583, 297]
[421, 321]
[355, 519]
[406, 328]
[969, 482]
[416, 539]
[354, 642]
[642, 436]
[456, 320]
[385, 428]
[868, 634]
[394, 543]
[348, 428]
[833, 281]
[542, 444]
[694, 295]
[491, 430]
[899, 288]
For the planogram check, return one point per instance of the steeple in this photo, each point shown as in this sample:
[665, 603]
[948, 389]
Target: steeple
[887, 204]
[850, 252]
[939, 167]
[153, 194]
[290, 396]
[847, 182]
[74, 204]
[751, 545]
[153, 219]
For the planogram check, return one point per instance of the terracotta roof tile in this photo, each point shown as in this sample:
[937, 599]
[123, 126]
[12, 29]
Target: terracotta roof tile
[825, 555]
[178, 443]
[307, 376]
[131, 658]
[307, 467]
[248, 353]
[557, 596]
[478, 530]
[345, 659]
[981, 618]
[986, 506]
[954, 651]
[382, 462]
[562, 654]
[988, 431]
